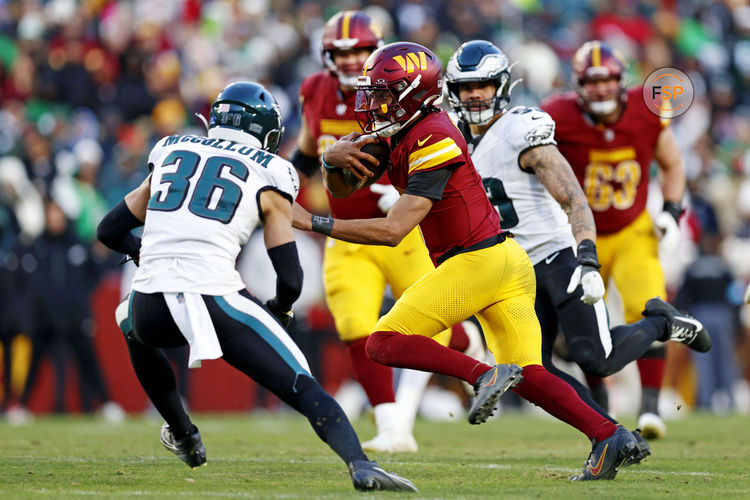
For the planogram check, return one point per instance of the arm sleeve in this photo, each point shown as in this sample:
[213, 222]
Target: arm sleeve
[114, 230]
[285, 260]
[429, 184]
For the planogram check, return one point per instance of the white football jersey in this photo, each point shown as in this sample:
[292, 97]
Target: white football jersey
[525, 206]
[205, 203]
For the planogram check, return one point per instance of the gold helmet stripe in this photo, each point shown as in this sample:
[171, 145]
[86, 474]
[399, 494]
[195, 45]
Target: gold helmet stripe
[596, 54]
[345, 24]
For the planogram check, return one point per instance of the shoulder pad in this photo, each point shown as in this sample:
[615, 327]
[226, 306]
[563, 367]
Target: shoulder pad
[284, 177]
[529, 127]
[157, 152]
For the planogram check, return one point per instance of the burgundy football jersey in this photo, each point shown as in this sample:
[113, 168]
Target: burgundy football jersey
[464, 215]
[329, 114]
[611, 162]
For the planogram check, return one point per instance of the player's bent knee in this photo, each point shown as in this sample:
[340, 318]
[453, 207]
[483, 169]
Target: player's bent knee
[377, 347]
[590, 358]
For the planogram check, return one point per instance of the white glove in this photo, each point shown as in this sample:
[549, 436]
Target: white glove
[591, 281]
[669, 232]
[388, 196]
[747, 294]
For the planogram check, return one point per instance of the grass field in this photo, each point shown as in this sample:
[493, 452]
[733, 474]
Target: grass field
[278, 456]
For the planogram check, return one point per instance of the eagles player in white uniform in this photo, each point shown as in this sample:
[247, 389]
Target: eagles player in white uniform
[200, 203]
[540, 201]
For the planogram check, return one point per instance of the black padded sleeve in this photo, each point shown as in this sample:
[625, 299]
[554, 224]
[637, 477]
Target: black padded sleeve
[285, 260]
[114, 230]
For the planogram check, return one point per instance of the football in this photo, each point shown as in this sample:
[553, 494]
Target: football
[380, 151]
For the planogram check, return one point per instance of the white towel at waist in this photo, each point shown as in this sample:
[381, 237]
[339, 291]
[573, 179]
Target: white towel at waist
[191, 316]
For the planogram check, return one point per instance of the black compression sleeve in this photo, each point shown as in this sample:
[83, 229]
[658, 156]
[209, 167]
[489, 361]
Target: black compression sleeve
[285, 262]
[308, 165]
[430, 184]
[114, 230]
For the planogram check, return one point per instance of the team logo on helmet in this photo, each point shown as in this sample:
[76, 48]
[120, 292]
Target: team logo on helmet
[398, 83]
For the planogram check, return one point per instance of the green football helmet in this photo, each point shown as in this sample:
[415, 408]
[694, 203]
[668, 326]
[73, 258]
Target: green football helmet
[245, 112]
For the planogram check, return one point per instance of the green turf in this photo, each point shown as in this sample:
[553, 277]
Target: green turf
[278, 456]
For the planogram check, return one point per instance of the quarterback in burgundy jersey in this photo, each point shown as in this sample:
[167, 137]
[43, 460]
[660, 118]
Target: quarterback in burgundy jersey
[610, 138]
[537, 195]
[328, 102]
[480, 271]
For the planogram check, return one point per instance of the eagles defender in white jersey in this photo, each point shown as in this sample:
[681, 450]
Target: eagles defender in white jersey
[540, 201]
[203, 198]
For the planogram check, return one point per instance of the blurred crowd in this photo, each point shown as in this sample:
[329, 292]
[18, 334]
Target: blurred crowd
[87, 87]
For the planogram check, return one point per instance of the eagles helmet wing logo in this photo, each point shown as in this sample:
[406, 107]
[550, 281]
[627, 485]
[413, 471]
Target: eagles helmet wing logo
[540, 134]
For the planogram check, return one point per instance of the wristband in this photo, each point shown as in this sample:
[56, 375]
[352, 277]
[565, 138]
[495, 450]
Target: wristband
[586, 254]
[674, 209]
[322, 225]
[331, 169]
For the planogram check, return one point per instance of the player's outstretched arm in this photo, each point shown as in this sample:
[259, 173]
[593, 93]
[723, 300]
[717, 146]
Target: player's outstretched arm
[404, 216]
[672, 181]
[555, 173]
[282, 250]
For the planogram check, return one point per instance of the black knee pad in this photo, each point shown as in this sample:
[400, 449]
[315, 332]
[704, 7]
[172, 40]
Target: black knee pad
[588, 356]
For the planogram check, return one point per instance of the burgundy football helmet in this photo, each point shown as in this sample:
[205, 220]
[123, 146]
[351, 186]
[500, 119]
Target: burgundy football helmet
[348, 30]
[598, 60]
[399, 82]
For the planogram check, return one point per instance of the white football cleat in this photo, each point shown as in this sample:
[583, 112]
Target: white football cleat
[391, 443]
[394, 433]
[652, 426]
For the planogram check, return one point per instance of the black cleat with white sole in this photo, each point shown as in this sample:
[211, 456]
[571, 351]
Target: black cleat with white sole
[681, 327]
[189, 449]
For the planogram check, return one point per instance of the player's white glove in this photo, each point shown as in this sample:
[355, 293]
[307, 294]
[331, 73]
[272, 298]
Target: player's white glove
[587, 274]
[388, 196]
[666, 226]
[747, 294]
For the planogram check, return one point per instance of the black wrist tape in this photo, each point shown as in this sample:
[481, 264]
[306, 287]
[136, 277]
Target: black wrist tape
[586, 254]
[674, 208]
[322, 225]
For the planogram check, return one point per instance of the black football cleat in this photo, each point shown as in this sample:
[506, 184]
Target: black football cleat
[489, 387]
[189, 449]
[644, 450]
[369, 476]
[608, 455]
[682, 327]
